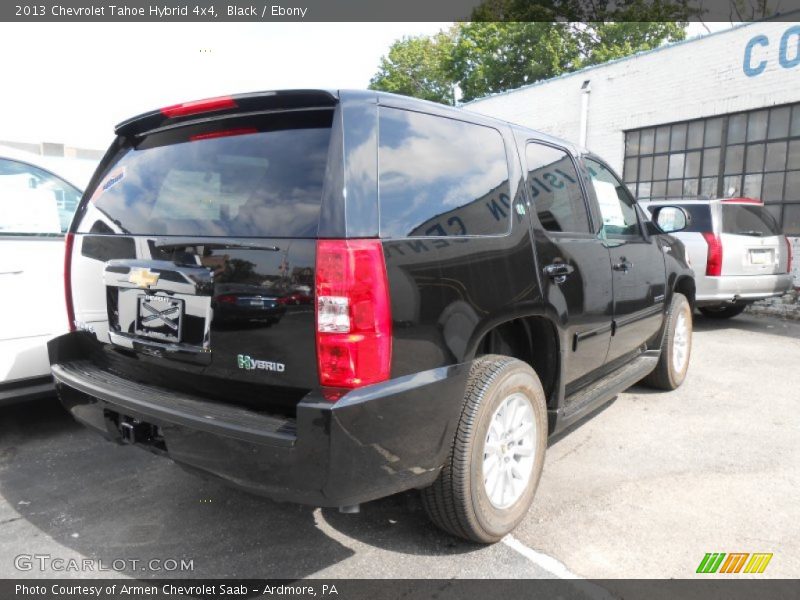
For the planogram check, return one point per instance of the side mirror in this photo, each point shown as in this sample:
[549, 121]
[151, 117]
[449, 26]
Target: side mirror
[671, 219]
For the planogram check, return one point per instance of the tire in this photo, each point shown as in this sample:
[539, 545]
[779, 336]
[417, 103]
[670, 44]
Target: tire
[672, 364]
[458, 501]
[722, 312]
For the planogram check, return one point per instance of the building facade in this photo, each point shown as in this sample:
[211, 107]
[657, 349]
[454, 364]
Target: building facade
[715, 116]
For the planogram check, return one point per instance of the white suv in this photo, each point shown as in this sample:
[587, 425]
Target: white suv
[36, 207]
[738, 252]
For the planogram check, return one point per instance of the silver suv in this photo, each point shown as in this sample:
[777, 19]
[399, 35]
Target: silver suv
[736, 248]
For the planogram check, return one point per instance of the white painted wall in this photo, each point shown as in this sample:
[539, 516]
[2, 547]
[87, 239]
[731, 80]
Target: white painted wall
[698, 78]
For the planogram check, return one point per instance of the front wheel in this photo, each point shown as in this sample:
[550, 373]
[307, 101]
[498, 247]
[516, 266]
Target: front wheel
[488, 483]
[722, 312]
[676, 347]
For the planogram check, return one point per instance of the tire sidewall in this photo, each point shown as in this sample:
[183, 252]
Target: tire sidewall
[518, 379]
[679, 306]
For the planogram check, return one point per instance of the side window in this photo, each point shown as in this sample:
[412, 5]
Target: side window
[33, 201]
[555, 189]
[617, 206]
[441, 177]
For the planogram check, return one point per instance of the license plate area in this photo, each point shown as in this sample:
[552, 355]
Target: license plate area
[761, 257]
[159, 317]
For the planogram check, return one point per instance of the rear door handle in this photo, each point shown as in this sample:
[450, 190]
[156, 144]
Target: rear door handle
[558, 271]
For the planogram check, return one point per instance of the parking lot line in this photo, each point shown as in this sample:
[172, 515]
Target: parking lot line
[548, 563]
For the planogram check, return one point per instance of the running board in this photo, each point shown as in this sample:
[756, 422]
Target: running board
[589, 398]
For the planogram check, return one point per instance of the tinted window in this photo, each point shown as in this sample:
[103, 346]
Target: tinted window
[744, 219]
[33, 201]
[791, 219]
[441, 177]
[261, 182]
[699, 217]
[616, 204]
[556, 192]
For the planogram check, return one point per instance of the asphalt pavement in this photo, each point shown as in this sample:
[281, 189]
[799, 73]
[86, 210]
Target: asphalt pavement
[644, 488]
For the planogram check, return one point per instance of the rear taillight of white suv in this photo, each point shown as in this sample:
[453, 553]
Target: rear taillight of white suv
[788, 255]
[68, 241]
[354, 321]
[714, 260]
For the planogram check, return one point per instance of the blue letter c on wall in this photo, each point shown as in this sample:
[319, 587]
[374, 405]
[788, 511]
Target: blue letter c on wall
[749, 69]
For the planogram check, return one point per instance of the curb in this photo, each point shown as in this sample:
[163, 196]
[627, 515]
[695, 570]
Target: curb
[784, 307]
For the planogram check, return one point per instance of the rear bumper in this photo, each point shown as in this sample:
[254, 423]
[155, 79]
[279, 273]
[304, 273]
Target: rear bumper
[740, 288]
[373, 442]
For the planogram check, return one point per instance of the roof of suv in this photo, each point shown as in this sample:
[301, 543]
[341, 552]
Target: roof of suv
[267, 100]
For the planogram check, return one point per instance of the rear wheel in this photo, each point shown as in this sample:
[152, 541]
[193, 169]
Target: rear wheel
[676, 348]
[488, 483]
[722, 312]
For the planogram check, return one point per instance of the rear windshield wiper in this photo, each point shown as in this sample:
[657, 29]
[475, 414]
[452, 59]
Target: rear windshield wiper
[752, 232]
[223, 245]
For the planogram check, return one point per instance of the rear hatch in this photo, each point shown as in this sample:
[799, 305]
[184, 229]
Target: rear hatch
[752, 241]
[193, 252]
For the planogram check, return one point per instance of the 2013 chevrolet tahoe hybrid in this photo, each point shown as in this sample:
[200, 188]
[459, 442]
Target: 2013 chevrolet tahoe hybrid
[329, 298]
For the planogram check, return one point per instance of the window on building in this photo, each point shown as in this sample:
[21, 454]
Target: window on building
[754, 154]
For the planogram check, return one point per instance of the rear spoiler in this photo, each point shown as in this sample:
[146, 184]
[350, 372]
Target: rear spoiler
[200, 110]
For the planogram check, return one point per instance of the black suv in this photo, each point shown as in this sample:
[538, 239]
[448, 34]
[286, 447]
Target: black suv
[329, 298]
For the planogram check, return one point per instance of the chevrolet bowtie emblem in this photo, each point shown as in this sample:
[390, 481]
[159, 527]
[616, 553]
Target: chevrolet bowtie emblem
[142, 278]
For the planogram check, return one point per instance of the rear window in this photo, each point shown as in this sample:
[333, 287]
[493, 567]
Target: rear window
[699, 216]
[748, 219]
[262, 181]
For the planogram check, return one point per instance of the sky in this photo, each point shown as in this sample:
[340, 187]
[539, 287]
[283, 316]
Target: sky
[71, 83]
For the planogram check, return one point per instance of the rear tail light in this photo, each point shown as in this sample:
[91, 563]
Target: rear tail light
[788, 255]
[226, 299]
[354, 321]
[198, 106]
[714, 260]
[68, 242]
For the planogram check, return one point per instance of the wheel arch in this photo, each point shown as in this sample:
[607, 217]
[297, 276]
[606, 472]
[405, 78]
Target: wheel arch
[533, 339]
[686, 285]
